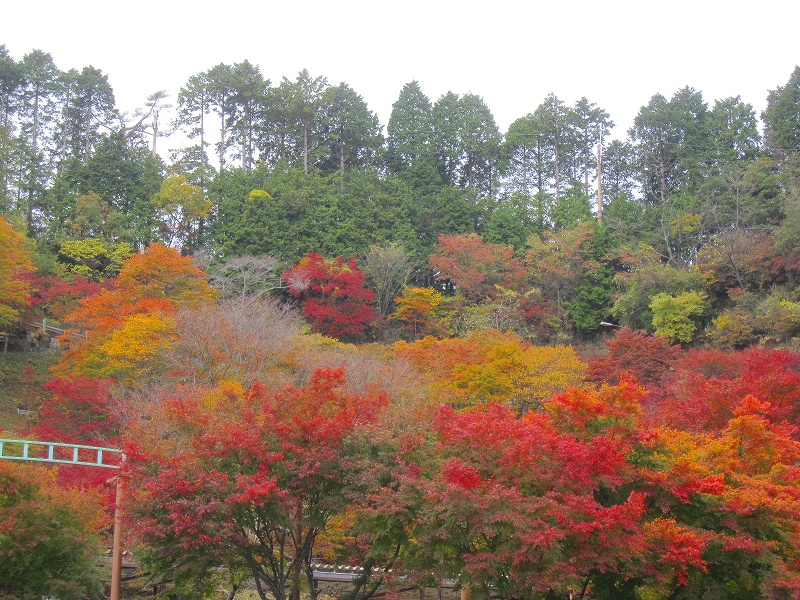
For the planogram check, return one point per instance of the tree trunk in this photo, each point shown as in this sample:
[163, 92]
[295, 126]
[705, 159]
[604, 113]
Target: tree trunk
[599, 184]
[222, 137]
[341, 165]
[305, 147]
[297, 559]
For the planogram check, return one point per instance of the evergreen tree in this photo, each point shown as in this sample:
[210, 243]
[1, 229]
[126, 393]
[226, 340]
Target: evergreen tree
[352, 132]
[782, 117]
[591, 126]
[37, 115]
[10, 80]
[193, 108]
[221, 93]
[249, 95]
[88, 112]
[410, 143]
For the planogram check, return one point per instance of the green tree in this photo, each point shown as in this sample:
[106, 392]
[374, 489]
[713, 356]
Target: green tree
[352, 133]
[37, 112]
[193, 107]
[126, 176]
[9, 150]
[733, 134]
[525, 152]
[509, 222]
[180, 206]
[675, 317]
[249, 91]
[450, 211]
[618, 173]
[248, 220]
[446, 129]
[480, 143]
[591, 125]
[571, 208]
[782, 118]
[643, 275]
[90, 216]
[569, 268]
[94, 259]
[410, 143]
[49, 540]
[671, 140]
[10, 80]
[88, 112]
[221, 98]
[303, 103]
[554, 119]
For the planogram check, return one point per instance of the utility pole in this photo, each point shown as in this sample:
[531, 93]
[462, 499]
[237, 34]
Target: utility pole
[116, 553]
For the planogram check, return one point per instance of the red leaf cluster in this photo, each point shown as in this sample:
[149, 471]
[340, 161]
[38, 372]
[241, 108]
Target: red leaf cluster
[333, 294]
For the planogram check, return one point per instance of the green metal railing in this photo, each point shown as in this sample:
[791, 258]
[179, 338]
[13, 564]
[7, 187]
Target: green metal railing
[55, 452]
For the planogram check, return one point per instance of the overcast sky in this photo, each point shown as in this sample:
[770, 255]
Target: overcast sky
[511, 53]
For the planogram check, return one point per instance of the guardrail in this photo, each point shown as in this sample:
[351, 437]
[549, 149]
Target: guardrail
[47, 328]
[56, 452]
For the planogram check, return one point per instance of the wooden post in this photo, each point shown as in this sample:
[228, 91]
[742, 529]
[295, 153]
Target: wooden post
[465, 593]
[116, 556]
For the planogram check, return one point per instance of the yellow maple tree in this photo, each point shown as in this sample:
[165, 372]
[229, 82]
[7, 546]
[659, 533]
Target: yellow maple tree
[15, 266]
[491, 366]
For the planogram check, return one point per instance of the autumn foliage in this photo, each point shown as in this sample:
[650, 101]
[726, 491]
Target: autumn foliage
[708, 385]
[333, 295]
[421, 313]
[128, 323]
[492, 366]
[251, 489]
[517, 470]
[15, 271]
[477, 268]
[519, 505]
[58, 298]
[647, 357]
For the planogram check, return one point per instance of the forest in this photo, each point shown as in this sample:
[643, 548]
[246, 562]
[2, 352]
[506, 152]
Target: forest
[540, 363]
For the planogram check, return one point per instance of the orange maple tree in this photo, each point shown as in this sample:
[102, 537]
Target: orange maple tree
[421, 313]
[477, 268]
[150, 287]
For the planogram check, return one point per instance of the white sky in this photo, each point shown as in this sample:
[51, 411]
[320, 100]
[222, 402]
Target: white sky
[617, 53]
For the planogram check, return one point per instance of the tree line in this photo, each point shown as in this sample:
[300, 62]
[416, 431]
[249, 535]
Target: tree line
[696, 201]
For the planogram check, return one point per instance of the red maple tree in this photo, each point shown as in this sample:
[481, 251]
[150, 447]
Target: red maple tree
[248, 479]
[333, 294]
